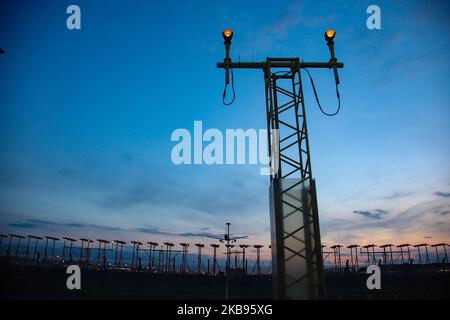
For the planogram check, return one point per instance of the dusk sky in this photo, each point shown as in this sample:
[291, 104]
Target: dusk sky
[86, 118]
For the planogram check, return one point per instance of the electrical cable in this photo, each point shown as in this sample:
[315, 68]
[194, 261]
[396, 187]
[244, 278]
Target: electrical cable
[317, 98]
[225, 90]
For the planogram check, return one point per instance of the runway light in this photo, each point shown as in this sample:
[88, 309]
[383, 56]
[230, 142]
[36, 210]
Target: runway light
[329, 34]
[227, 34]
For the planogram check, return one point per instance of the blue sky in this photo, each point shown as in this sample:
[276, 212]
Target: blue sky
[86, 118]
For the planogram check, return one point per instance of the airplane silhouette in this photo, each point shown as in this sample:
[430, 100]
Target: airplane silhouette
[227, 236]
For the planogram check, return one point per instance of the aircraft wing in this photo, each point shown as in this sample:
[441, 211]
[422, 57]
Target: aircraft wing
[235, 238]
[215, 237]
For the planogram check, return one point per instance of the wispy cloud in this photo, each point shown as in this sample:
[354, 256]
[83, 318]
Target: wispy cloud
[397, 194]
[443, 212]
[411, 223]
[43, 222]
[188, 194]
[425, 23]
[151, 230]
[128, 198]
[23, 225]
[289, 20]
[374, 214]
[157, 231]
[442, 194]
[38, 224]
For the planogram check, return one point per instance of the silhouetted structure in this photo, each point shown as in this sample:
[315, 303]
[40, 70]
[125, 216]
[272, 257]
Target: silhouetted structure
[354, 255]
[101, 253]
[184, 265]
[118, 256]
[370, 260]
[228, 254]
[28, 255]
[151, 255]
[387, 253]
[19, 239]
[401, 246]
[258, 258]
[71, 241]
[215, 263]
[168, 256]
[19, 252]
[2, 236]
[52, 251]
[298, 265]
[200, 246]
[136, 258]
[436, 246]
[337, 256]
[425, 245]
[244, 260]
[85, 247]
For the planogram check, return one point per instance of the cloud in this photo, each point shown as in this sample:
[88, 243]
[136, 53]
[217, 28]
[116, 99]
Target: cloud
[123, 200]
[424, 45]
[196, 234]
[75, 225]
[23, 225]
[189, 194]
[397, 195]
[442, 213]
[407, 224]
[37, 223]
[375, 214]
[151, 230]
[96, 226]
[289, 20]
[442, 194]
[45, 222]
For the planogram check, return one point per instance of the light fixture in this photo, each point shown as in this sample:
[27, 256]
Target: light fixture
[227, 34]
[329, 34]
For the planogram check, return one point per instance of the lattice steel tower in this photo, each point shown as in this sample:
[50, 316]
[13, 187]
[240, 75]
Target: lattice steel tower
[297, 265]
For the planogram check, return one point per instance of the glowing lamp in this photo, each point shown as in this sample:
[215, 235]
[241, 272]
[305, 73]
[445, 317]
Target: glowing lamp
[329, 34]
[227, 35]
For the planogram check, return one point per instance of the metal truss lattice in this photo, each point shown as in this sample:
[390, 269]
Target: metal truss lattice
[296, 245]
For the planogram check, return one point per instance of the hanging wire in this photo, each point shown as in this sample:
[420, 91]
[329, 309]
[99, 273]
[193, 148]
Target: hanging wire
[225, 90]
[313, 87]
[317, 98]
